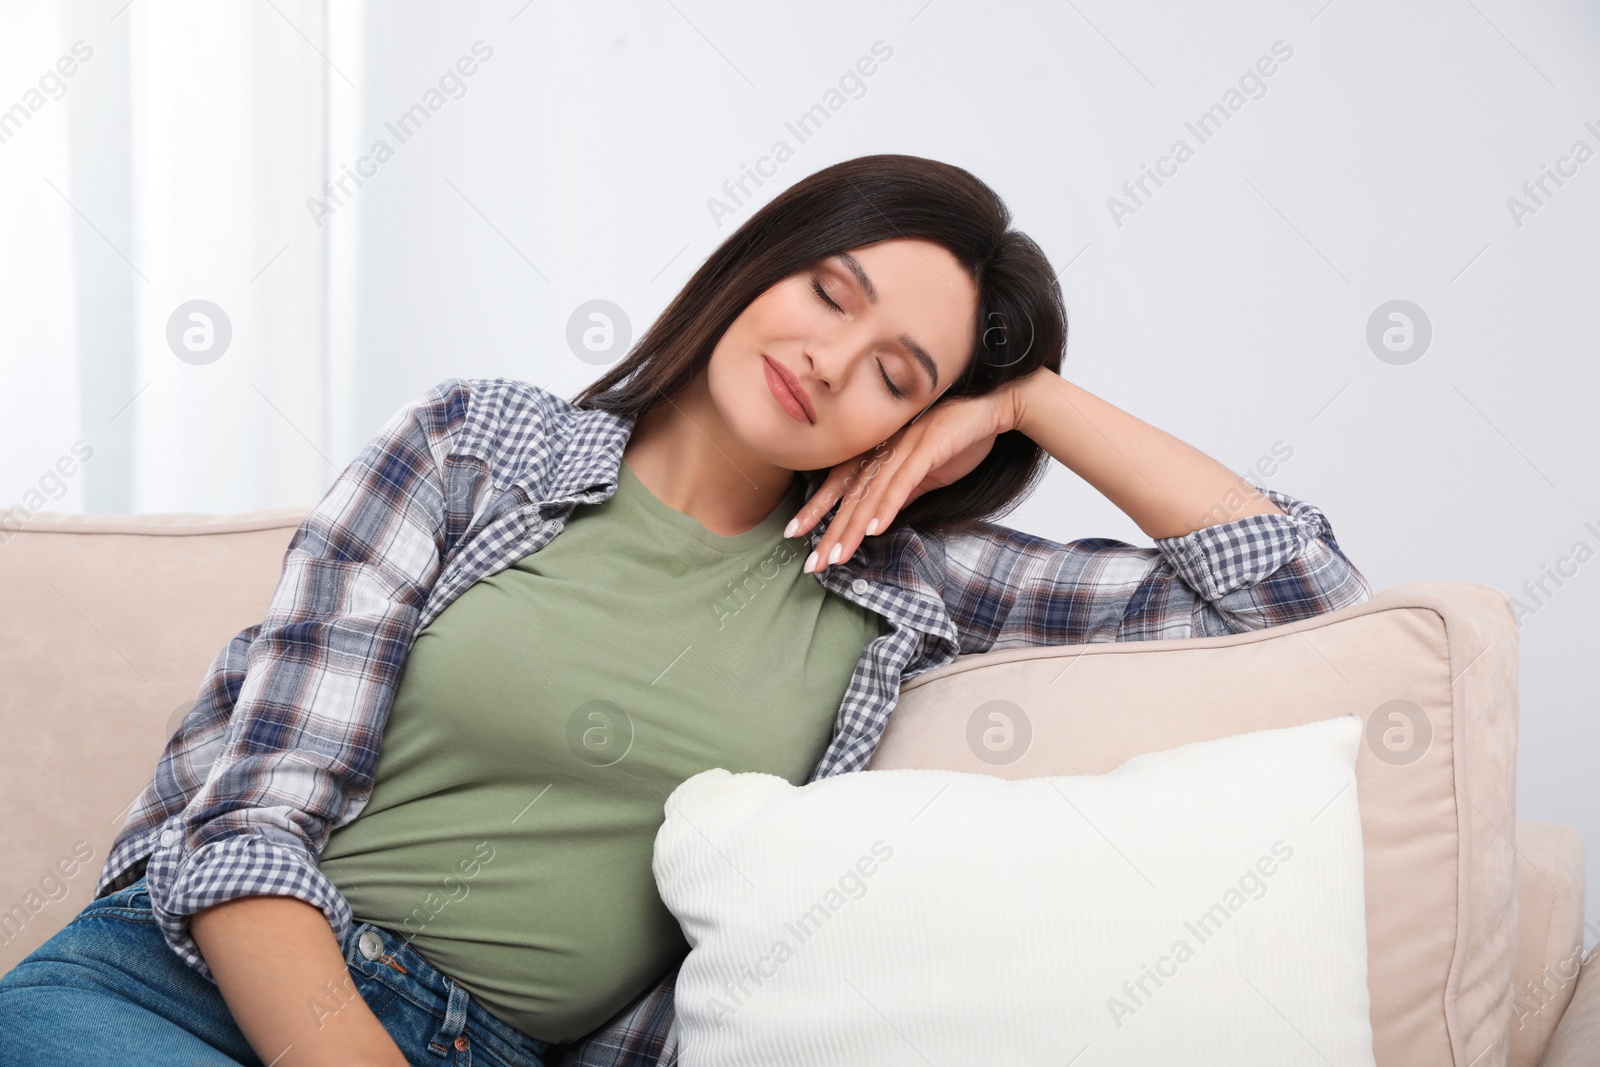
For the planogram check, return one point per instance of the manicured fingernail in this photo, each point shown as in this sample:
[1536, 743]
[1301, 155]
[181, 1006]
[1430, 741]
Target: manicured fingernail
[833, 557]
[872, 527]
[788, 531]
[811, 561]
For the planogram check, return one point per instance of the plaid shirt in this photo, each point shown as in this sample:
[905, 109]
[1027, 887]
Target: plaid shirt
[280, 747]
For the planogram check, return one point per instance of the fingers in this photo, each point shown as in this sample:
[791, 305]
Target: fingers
[872, 500]
[816, 507]
[840, 482]
[845, 488]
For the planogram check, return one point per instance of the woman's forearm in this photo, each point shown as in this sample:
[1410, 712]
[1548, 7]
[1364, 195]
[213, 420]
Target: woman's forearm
[285, 980]
[1164, 485]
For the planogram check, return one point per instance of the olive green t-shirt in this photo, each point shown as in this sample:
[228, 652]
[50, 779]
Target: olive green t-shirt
[542, 719]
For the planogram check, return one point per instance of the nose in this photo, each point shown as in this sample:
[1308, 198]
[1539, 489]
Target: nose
[833, 355]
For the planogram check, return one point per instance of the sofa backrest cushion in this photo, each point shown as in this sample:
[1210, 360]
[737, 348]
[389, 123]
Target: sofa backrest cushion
[108, 625]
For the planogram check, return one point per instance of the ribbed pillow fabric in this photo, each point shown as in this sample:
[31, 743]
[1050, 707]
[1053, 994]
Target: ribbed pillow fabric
[1199, 905]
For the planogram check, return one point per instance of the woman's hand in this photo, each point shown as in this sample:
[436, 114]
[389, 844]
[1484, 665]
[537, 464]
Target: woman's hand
[940, 446]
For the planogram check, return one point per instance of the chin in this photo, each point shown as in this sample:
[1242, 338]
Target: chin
[754, 418]
[756, 430]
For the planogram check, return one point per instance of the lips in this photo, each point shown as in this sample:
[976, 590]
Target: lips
[788, 383]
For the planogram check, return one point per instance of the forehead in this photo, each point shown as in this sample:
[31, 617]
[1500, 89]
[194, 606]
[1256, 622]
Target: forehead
[917, 260]
[925, 289]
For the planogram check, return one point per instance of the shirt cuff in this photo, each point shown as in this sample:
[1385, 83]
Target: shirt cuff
[122, 867]
[1216, 560]
[242, 864]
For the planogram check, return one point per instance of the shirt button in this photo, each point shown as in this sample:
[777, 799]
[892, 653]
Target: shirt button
[370, 945]
[859, 587]
[168, 837]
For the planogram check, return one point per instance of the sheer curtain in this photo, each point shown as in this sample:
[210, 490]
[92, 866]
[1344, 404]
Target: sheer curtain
[164, 287]
[39, 335]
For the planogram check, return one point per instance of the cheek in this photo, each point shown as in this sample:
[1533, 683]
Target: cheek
[869, 422]
[775, 313]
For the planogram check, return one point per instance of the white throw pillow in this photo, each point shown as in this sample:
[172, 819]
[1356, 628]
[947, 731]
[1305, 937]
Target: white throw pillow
[1200, 905]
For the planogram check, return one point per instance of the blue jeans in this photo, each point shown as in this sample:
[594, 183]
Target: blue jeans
[107, 990]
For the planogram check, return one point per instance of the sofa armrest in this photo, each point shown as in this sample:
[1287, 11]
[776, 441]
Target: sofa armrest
[1577, 1036]
[1550, 895]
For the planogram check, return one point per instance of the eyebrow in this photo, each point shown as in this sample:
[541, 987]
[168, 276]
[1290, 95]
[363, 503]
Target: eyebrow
[916, 350]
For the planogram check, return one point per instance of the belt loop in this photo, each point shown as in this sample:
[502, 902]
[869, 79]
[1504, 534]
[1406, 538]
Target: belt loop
[455, 1021]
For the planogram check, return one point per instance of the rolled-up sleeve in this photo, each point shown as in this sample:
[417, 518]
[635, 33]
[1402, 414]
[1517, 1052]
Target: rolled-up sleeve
[1265, 570]
[297, 757]
[1009, 589]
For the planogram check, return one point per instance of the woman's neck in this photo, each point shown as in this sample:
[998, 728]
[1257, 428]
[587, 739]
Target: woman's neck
[682, 451]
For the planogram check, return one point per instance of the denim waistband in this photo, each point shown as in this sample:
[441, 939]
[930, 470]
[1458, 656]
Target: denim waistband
[396, 964]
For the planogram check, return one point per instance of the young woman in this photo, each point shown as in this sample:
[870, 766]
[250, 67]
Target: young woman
[411, 815]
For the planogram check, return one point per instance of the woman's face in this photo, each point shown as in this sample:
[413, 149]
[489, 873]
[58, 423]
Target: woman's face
[902, 310]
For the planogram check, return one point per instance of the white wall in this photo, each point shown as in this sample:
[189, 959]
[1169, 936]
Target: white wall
[1230, 309]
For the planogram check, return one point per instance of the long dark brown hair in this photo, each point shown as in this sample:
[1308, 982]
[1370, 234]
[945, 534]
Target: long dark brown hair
[1021, 325]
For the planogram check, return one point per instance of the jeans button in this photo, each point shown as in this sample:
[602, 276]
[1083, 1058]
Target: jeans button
[370, 945]
[461, 1043]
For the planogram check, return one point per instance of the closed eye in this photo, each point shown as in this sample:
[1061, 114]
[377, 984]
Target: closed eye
[894, 390]
[816, 287]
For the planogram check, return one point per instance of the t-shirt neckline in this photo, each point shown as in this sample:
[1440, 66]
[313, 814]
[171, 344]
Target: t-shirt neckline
[768, 530]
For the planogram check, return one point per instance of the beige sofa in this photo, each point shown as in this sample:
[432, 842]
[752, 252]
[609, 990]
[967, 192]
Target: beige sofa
[1475, 923]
